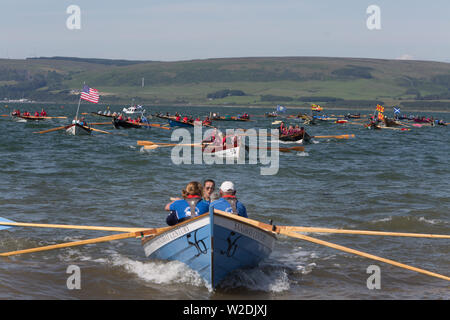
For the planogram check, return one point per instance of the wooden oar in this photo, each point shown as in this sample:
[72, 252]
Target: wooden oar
[55, 129]
[151, 143]
[154, 125]
[342, 136]
[100, 123]
[71, 244]
[65, 226]
[280, 230]
[97, 130]
[144, 233]
[155, 146]
[299, 148]
[362, 254]
[54, 117]
[363, 232]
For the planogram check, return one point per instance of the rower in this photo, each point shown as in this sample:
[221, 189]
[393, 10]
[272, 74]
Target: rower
[43, 113]
[36, 114]
[190, 206]
[208, 189]
[228, 201]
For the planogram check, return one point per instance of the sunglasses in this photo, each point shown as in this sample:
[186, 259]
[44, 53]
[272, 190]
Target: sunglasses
[209, 188]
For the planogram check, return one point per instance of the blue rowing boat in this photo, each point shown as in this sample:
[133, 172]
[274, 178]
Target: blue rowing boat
[175, 123]
[213, 245]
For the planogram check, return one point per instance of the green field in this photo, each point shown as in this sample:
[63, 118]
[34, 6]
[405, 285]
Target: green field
[293, 81]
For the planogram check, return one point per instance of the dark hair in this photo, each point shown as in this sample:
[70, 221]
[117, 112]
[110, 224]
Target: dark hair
[209, 180]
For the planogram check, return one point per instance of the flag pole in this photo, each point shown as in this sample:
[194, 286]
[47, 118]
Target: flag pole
[79, 101]
[78, 108]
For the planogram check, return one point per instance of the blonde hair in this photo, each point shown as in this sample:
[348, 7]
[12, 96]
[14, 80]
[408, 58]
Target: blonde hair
[193, 188]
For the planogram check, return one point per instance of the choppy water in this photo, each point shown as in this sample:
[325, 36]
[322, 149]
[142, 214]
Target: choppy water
[381, 180]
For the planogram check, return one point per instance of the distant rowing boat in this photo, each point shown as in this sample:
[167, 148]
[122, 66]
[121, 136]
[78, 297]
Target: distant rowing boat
[124, 124]
[110, 115]
[77, 129]
[173, 122]
[306, 138]
[221, 152]
[22, 118]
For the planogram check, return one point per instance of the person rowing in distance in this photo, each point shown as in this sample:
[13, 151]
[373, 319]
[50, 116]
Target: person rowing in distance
[190, 206]
[228, 201]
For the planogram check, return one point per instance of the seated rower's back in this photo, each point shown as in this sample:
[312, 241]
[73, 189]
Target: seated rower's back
[228, 201]
[190, 206]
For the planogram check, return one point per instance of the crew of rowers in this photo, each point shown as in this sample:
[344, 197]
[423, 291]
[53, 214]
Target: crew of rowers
[217, 139]
[291, 130]
[139, 119]
[28, 114]
[190, 119]
[197, 199]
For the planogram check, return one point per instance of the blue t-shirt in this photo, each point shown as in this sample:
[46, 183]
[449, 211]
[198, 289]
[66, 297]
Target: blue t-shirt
[224, 205]
[180, 210]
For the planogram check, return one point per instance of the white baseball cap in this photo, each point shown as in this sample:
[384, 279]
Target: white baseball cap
[227, 186]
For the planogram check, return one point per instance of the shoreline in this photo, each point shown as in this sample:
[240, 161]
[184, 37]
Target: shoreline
[231, 106]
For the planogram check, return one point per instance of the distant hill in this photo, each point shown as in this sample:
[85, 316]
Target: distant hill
[267, 81]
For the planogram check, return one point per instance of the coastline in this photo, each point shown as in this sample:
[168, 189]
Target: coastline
[229, 106]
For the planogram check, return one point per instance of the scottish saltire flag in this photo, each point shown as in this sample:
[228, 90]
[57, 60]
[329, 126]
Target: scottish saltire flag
[281, 108]
[396, 110]
[89, 94]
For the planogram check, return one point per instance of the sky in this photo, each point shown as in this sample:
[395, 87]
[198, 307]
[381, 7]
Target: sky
[172, 30]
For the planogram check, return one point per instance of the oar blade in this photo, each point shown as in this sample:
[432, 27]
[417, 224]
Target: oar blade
[5, 220]
[151, 147]
[144, 143]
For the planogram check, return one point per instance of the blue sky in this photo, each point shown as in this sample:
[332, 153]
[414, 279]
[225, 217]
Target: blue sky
[198, 29]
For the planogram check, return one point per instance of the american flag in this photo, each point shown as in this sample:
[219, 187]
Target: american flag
[89, 94]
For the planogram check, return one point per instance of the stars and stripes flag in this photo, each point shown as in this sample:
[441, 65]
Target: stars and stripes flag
[89, 94]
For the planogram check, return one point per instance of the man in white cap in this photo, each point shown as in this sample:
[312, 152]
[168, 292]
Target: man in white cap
[228, 201]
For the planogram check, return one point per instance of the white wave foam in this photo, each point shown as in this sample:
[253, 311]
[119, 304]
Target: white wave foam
[258, 279]
[303, 154]
[432, 221]
[382, 220]
[160, 272]
[307, 269]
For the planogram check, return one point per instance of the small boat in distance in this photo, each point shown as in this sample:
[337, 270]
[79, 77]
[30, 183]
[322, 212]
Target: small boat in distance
[134, 110]
[78, 129]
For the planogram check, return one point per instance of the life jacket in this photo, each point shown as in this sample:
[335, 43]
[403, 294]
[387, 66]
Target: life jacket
[232, 200]
[192, 201]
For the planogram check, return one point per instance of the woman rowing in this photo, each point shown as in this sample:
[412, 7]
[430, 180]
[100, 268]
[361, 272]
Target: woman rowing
[190, 206]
